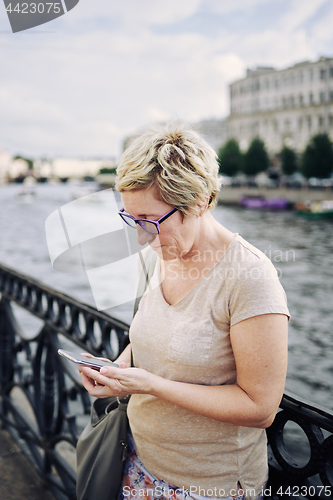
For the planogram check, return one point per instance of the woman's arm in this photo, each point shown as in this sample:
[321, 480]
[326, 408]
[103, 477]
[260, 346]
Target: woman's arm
[260, 349]
[125, 356]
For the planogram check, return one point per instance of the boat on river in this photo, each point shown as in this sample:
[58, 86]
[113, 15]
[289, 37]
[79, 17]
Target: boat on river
[315, 209]
[262, 203]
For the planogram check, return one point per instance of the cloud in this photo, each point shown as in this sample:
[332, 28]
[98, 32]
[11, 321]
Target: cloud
[111, 69]
[86, 93]
[271, 48]
[133, 14]
[322, 33]
[299, 13]
[223, 7]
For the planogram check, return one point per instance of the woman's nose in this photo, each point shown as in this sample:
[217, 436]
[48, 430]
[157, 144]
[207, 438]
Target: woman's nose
[143, 236]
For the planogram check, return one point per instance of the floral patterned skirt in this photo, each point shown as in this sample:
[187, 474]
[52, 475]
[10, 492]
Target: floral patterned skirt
[139, 484]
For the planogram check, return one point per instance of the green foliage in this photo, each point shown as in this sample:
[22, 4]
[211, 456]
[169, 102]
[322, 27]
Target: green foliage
[256, 158]
[28, 160]
[288, 161]
[230, 158]
[108, 170]
[317, 159]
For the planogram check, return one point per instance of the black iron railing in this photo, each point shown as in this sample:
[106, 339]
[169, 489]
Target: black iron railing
[45, 406]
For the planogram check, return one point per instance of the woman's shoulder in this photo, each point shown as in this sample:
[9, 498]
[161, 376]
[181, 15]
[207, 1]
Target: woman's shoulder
[244, 265]
[241, 251]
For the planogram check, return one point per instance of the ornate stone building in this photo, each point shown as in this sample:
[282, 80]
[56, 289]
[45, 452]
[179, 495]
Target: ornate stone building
[285, 106]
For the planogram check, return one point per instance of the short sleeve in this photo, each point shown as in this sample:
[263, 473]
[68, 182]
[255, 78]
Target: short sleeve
[254, 287]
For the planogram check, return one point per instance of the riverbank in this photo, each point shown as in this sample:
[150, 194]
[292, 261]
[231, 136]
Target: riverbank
[231, 195]
[18, 479]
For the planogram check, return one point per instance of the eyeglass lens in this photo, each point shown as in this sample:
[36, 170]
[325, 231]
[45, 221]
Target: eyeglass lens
[147, 226]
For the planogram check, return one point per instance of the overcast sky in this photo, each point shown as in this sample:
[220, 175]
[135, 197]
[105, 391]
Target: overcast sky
[78, 85]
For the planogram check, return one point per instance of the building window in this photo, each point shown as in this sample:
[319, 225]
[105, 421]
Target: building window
[292, 101]
[311, 98]
[254, 128]
[330, 119]
[331, 72]
[276, 83]
[300, 123]
[320, 121]
[323, 74]
[311, 75]
[284, 102]
[322, 97]
[301, 102]
[331, 95]
[309, 122]
[301, 76]
[287, 124]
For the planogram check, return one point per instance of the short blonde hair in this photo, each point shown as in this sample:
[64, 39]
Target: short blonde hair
[178, 161]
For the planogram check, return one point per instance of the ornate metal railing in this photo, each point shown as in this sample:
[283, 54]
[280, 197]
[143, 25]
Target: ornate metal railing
[44, 405]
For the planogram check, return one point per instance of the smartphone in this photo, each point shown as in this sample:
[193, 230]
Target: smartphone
[95, 364]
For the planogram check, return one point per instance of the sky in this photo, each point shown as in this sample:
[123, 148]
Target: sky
[78, 85]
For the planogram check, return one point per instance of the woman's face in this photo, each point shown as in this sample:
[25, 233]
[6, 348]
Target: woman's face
[177, 233]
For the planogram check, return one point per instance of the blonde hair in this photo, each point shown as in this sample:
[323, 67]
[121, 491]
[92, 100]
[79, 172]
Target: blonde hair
[178, 161]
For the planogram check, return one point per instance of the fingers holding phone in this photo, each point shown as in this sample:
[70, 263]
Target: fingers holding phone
[101, 386]
[89, 367]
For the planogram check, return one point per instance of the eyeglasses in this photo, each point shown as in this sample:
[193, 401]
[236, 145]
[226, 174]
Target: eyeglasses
[151, 226]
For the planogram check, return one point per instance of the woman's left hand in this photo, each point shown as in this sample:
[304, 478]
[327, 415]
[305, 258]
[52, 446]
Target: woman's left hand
[111, 381]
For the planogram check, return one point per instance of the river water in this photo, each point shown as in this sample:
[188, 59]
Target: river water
[300, 249]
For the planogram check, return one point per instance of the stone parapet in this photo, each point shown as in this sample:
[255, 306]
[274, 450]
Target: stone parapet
[231, 195]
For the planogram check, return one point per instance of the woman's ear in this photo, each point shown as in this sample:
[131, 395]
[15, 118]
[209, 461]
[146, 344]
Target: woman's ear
[203, 205]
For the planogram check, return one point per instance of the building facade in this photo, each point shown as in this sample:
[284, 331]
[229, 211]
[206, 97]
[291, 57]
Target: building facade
[215, 131]
[5, 163]
[283, 107]
[77, 168]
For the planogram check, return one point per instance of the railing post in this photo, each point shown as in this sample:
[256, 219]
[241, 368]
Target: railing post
[7, 346]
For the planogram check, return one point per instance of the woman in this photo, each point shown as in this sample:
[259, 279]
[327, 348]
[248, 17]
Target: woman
[209, 344]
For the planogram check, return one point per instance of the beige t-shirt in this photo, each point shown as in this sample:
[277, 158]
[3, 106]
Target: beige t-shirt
[190, 342]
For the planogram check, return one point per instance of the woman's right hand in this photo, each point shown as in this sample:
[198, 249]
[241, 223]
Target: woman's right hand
[88, 383]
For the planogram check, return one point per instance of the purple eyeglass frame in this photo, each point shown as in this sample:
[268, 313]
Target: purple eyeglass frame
[138, 221]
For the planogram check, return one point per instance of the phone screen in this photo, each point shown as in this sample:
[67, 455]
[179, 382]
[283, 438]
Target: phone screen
[79, 359]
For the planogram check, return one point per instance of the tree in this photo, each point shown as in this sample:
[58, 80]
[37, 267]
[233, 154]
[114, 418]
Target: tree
[28, 160]
[317, 159]
[256, 158]
[230, 158]
[108, 170]
[288, 161]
